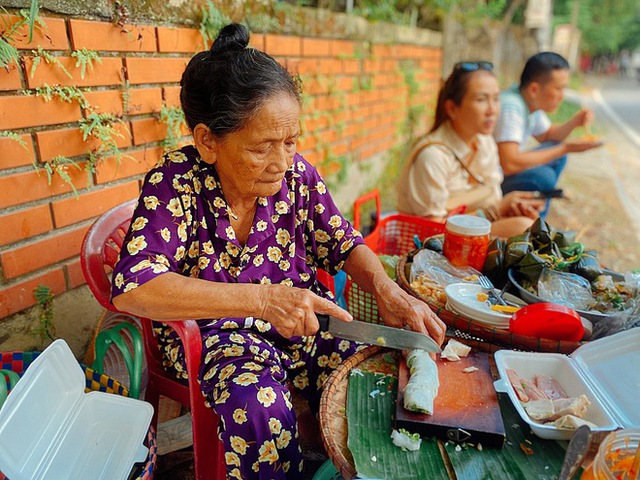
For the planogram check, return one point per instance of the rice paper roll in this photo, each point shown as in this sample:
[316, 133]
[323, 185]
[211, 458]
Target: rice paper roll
[422, 388]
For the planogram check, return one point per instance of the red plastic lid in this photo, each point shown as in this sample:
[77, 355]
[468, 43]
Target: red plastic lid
[547, 320]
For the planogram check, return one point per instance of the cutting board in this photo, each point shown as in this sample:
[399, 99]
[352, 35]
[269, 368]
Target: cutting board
[466, 408]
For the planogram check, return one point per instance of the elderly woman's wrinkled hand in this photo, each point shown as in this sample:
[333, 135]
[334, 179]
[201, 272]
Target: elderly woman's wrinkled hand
[292, 311]
[400, 310]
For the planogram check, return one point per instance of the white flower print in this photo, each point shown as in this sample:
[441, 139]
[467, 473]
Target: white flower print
[283, 237]
[261, 226]
[282, 207]
[335, 221]
[182, 232]
[176, 157]
[165, 234]
[175, 207]
[139, 223]
[266, 396]
[155, 178]
[151, 202]
[319, 208]
[180, 253]
[207, 247]
[258, 260]
[321, 188]
[274, 254]
[136, 244]
[321, 236]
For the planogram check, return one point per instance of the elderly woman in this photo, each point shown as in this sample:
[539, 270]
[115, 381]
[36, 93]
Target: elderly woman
[457, 162]
[231, 232]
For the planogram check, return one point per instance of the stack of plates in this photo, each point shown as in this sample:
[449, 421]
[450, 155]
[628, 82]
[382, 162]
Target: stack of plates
[462, 300]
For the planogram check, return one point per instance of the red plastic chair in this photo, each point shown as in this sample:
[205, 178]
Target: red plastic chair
[99, 254]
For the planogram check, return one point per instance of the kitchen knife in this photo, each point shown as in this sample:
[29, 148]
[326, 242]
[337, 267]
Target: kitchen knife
[377, 334]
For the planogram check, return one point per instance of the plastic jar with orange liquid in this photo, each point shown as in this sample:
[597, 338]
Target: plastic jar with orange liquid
[466, 240]
[614, 460]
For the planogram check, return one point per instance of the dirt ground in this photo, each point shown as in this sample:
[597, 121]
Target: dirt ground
[602, 186]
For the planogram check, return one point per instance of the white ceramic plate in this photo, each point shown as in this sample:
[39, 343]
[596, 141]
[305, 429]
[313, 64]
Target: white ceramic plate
[485, 320]
[462, 298]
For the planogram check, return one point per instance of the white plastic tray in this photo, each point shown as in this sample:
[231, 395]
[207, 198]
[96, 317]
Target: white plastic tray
[49, 428]
[607, 371]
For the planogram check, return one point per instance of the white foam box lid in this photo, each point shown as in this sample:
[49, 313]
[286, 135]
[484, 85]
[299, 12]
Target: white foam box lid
[606, 370]
[50, 428]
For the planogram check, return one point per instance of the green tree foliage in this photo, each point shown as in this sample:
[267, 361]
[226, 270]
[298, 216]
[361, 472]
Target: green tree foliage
[607, 26]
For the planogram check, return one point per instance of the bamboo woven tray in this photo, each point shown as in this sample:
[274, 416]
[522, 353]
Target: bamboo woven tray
[492, 338]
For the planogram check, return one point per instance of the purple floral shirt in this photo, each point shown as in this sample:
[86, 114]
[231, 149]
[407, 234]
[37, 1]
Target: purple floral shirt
[181, 224]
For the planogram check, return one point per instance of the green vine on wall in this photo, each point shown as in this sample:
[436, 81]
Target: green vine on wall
[64, 93]
[173, 117]
[46, 329]
[85, 58]
[39, 55]
[212, 21]
[8, 52]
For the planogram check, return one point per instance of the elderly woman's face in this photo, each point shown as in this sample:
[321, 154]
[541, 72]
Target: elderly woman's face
[252, 161]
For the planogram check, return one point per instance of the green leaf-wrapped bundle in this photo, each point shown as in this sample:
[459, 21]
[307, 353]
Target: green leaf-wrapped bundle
[565, 238]
[517, 247]
[588, 266]
[494, 266]
[531, 265]
[541, 234]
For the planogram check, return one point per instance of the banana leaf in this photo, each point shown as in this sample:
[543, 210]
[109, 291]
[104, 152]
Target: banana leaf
[517, 247]
[587, 266]
[370, 402]
[531, 265]
[565, 238]
[494, 267]
[541, 234]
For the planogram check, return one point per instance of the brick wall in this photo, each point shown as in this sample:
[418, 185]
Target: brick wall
[356, 98]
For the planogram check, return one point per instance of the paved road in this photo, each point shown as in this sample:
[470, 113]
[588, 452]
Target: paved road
[620, 97]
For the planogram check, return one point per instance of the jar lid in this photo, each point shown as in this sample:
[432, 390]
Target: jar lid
[468, 225]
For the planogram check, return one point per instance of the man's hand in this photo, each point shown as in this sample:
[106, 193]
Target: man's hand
[583, 118]
[581, 145]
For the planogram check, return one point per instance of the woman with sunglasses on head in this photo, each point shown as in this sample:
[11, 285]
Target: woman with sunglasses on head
[457, 162]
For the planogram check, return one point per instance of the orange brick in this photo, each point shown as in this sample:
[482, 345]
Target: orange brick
[15, 298]
[27, 186]
[108, 72]
[256, 40]
[316, 47]
[43, 252]
[187, 40]
[148, 130]
[105, 101]
[135, 163]
[69, 143]
[290, 46]
[75, 277]
[155, 70]
[20, 111]
[104, 36]
[14, 154]
[342, 48]
[144, 100]
[24, 224]
[51, 37]
[10, 78]
[91, 204]
[171, 96]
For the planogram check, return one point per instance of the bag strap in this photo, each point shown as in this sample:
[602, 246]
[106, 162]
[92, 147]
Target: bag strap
[429, 143]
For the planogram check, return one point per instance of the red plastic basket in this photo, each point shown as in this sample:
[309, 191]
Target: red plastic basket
[392, 235]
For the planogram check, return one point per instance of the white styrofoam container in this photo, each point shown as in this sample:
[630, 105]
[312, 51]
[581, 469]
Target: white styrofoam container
[50, 429]
[606, 370]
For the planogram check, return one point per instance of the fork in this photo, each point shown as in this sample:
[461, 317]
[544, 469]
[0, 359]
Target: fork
[487, 285]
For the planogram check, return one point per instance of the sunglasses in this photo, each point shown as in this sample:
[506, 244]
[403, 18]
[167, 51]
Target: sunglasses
[473, 66]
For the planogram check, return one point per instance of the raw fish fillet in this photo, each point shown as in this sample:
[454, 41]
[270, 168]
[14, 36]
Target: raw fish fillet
[549, 386]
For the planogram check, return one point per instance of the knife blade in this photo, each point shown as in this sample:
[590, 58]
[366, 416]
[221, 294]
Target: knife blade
[377, 334]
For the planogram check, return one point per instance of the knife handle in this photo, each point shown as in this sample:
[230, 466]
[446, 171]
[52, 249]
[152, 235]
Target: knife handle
[323, 320]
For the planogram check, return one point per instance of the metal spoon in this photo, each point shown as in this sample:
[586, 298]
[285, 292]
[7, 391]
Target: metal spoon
[576, 451]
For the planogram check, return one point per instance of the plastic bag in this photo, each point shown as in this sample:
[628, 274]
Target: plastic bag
[566, 289]
[616, 323]
[436, 267]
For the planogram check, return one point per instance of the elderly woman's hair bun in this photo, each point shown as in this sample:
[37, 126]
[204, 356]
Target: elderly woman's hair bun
[224, 87]
[233, 37]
